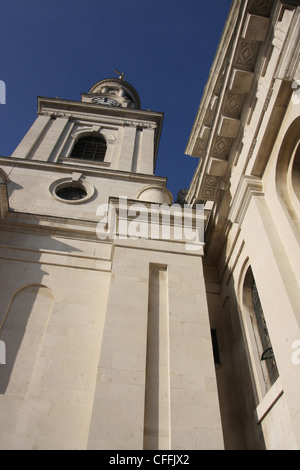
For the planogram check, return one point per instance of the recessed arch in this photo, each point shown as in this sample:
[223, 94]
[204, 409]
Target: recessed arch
[294, 175]
[261, 355]
[3, 177]
[22, 331]
[89, 146]
[288, 173]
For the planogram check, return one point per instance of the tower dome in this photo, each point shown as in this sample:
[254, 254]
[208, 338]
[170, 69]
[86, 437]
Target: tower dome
[114, 92]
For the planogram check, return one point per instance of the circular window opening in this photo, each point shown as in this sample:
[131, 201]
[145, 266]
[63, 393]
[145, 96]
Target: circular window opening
[70, 193]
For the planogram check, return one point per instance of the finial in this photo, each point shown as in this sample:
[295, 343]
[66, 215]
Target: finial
[121, 74]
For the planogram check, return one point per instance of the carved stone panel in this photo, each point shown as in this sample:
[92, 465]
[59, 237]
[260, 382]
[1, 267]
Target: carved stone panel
[246, 55]
[210, 188]
[221, 148]
[233, 105]
[199, 147]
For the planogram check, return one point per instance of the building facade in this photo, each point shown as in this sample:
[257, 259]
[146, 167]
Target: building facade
[246, 135]
[120, 327]
[104, 317]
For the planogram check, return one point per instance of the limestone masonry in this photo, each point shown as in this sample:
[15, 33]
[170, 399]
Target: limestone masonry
[124, 324]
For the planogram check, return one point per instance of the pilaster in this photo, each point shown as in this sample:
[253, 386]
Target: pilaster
[30, 140]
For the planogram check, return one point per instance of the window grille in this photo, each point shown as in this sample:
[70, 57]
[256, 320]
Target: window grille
[70, 193]
[267, 354]
[90, 148]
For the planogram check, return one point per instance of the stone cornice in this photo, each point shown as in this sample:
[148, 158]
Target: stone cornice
[57, 107]
[61, 228]
[79, 116]
[70, 106]
[48, 224]
[209, 100]
[3, 201]
[220, 117]
[248, 187]
[67, 167]
[4, 207]
[289, 67]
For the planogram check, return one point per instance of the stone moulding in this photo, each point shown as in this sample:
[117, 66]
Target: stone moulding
[4, 207]
[248, 187]
[119, 116]
[230, 82]
[62, 167]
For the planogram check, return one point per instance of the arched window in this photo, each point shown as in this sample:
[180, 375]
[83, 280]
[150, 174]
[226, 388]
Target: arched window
[267, 355]
[288, 173]
[295, 176]
[22, 331]
[259, 337]
[90, 147]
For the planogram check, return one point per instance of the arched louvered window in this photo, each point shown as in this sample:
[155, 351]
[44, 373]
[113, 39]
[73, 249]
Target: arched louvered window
[259, 338]
[90, 147]
[267, 354]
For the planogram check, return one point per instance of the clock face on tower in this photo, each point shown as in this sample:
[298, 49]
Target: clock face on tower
[105, 100]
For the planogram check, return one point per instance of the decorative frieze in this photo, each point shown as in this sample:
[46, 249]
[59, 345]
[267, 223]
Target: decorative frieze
[221, 147]
[139, 125]
[54, 114]
[221, 114]
[246, 55]
[199, 148]
[3, 194]
[233, 105]
[210, 188]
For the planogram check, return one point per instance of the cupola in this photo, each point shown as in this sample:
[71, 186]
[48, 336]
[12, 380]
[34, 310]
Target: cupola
[113, 92]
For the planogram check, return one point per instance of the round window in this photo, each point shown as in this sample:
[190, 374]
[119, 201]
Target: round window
[70, 193]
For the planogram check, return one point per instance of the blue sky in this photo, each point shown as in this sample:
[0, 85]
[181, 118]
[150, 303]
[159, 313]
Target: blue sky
[60, 48]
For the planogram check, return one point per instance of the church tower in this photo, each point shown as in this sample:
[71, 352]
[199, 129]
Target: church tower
[103, 307]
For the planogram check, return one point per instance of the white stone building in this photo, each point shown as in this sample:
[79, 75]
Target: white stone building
[120, 329]
[103, 308]
[246, 135]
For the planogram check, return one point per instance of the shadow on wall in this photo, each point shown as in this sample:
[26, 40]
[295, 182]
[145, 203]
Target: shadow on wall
[28, 312]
